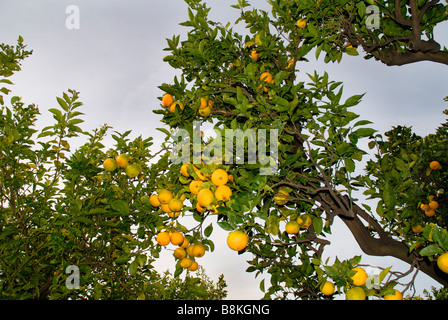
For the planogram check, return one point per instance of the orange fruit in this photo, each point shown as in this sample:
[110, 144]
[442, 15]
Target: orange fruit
[434, 165]
[442, 262]
[430, 212]
[185, 243]
[173, 214]
[165, 208]
[167, 100]
[292, 227]
[163, 238]
[396, 296]
[424, 207]
[205, 197]
[184, 170]
[180, 253]
[301, 23]
[189, 250]
[165, 196]
[194, 186]
[327, 288]
[281, 197]
[194, 266]
[237, 240]
[267, 77]
[186, 263]
[175, 205]
[304, 221]
[360, 277]
[133, 170]
[223, 193]
[154, 200]
[199, 208]
[177, 238]
[204, 103]
[355, 293]
[175, 104]
[198, 250]
[417, 228]
[205, 112]
[123, 160]
[433, 204]
[199, 173]
[220, 177]
[110, 164]
[254, 54]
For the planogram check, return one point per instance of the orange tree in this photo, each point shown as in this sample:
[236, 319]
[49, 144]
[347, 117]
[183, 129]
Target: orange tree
[250, 84]
[73, 224]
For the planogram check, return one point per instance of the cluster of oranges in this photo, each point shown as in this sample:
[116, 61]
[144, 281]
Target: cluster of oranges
[124, 161]
[205, 106]
[303, 221]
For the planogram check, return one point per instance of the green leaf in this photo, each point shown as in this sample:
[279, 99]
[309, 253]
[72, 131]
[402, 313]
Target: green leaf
[318, 225]
[119, 206]
[365, 132]
[208, 231]
[349, 164]
[62, 103]
[431, 250]
[123, 258]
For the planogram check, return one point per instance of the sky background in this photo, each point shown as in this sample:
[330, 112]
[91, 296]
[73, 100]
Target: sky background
[115, 61]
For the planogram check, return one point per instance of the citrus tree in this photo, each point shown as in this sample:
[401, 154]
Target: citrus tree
[77, 223]
[281, 205]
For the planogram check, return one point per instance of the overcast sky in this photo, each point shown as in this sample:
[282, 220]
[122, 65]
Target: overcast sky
[115, 60]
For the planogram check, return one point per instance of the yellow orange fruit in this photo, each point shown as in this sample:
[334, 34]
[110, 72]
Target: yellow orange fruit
[223, 193]
[177, 238]
[194, 186]
[327, 288]
[254, 55]
[199, 208]
[304, 221]
[180, 253]
[433, 204]
[167, 100]
[175, 204]
[430, 212]
[237, 240]
[360, 277]
[301, 23]
[165, 196]
[198, 172]
[110, 164]
[442, 262]
[205, 197]
[417, 228]
[185, 243]
[434, 165]
[173, 214]
[292, 227]
[154, 200]
[163, 238]
[184, 170]
[281, 197]
[165, 208]
[123, 160]
[396, 296]
[205, 112]
[267, 77]
[219, 177]
[186, 263]
[189, 250]
[194, 266]
[355, 293]
[176, 104]
[198, 250]
[424, 207]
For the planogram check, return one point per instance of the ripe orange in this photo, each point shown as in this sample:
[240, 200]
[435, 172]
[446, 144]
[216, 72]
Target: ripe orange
[442, 262]
[175, 205]
[194, 266]
[154, 200]
[205, 104]
[433, 204]
[254, 54]
[223, 193]
[355, 293]
[205, 112]
[292, 227]
[110, 164]
[199, 208]
[200, 175]
[165, 208]
[424, 207]
[184, 170]
[267, 77]
[205, 197]
[175, 104]
[237, 240]
[180, 253]
[167, 100]
[396, 296]
[186, 263]
[173, 214]
[123, 160]
[177, 238]
[281, 197]
[430, 212]
[327, 288]
[189, 250]
[185, 243]
[194, 186]
[165, 196]
[304, 221]
[133, 170]
[417, 228]
[220, 177]
[198, 250]
[301, 23]
[163, 238]
[434, 165]
[360, 277]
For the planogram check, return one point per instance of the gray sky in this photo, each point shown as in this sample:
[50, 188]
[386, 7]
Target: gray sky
[115, 61]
